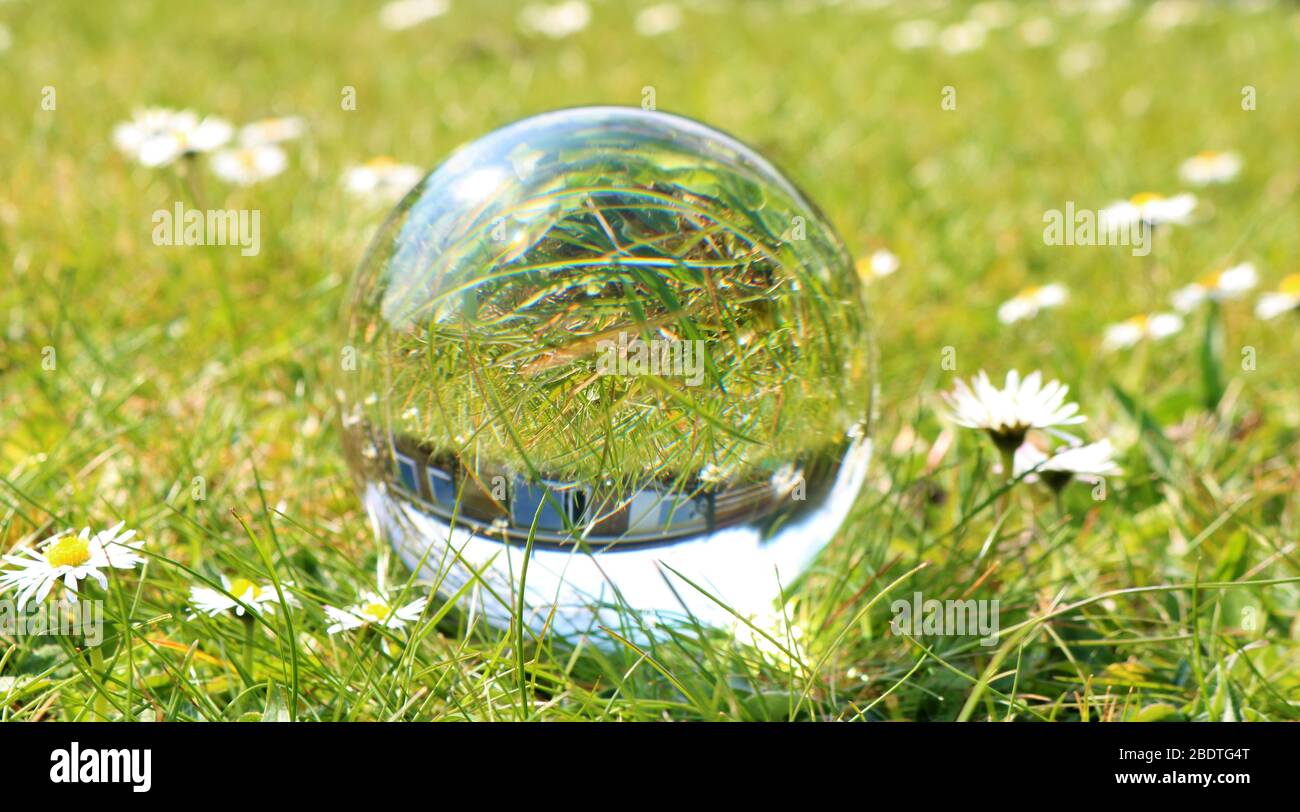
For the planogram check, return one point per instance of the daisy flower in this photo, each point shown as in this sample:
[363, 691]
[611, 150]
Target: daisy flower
[1027, 303]
[1209, 167]
[157, 136]
[962, 37]
[1230, 283]
[400, 15]
[1007, 414]
[259, 598]
[71, 559]
[660, 19]
[249, 164]
[1150, 208]
[914, 34]
[1132, 330]
[1088, 463]
[555, 21]
[272, 130]
[879, 264]
[1284, 299]
[382, 179]
[374, 609]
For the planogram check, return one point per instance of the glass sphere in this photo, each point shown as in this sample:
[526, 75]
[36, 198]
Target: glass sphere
[600, 353]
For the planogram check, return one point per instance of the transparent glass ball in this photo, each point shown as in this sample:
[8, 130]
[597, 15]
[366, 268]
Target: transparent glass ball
[607, 361]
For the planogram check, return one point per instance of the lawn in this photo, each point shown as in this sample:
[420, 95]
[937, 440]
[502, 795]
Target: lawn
[189, 391]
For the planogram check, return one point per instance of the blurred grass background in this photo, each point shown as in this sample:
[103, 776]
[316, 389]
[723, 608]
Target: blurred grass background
[183, 362]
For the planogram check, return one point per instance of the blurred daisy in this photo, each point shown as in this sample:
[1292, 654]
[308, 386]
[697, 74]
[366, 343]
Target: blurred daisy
[1007, 414]
[1079, 59]
[1027, 303]
[1150, 208]
[272, 130]
[403, 14]
[1286, 298]
[249, 164]
[1037, 32]
[1088, 463]
[259, 598]
[71, 559]
[1208, 167]
[993, 13]
[880, 263]
[660, 19]
[1131, 331]
[962, 37]
[1231, 283]
[374, 609]
[382, 179]
[157, 136]
[1166, 14]
[915, 34]
[555, 21]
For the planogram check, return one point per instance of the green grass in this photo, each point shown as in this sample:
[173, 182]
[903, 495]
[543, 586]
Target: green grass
[1175, 597]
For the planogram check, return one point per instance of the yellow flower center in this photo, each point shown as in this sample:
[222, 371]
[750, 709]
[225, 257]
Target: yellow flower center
[377, 612]
[1029, 292]
[1146, 198]
[1207, 155]
[1290, 285]
[1139, 322]
[69, 551]
[381, 162]
[240, 586]
[1211, 280]
[247, 159]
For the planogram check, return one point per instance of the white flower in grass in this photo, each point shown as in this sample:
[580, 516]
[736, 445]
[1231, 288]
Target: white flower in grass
[1151, 208]
[374, 609]
[1037, 32]
[70, 559]
[258, 597]
[963, 37]
[1089, 463]
[402, 14]
[251, 164]
[382, 179]
[1078, 59]
[1007, 414]
[272, 130]
[879, 264]
[157, 136]
[1230, 283]
[1283, 300]
[1209, 167]
[1027, 303]
[555, 21]
[915, 34]
[657, 20]
[1135, 329]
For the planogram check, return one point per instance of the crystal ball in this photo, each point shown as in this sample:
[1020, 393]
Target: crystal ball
[607, 367]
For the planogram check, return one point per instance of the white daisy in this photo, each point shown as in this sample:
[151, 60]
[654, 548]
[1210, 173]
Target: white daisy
[382, 179]
[914, 34]
[250, 164]
[70, 559]
[1209, 167]
[993, 13]
[962, 37]
[1231, 283]
[878, 264]
[374, 608]
[1088, 463]
[1132, 330]
[272, 130]
[157, 136]
[1078, 59]
[1027, 303]
[1285, 299]
[1037, 32]
[1150, 208]
[259, 598]
[1008, 414]
[660, 19]
[555, 21]
[402, 14]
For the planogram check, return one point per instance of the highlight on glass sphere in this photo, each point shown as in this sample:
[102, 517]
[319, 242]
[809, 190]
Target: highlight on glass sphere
[610, 364]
